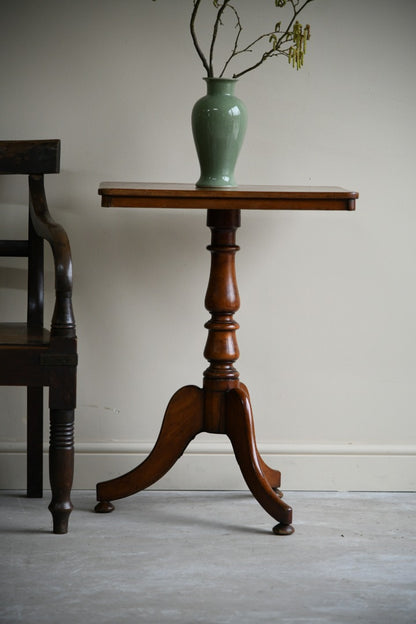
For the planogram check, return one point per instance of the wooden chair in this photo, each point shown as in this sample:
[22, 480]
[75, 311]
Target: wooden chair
[30, 355]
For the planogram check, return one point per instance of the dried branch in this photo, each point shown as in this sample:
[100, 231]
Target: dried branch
[290, 43]
[194, 37]
[215, 33]
[287, 35]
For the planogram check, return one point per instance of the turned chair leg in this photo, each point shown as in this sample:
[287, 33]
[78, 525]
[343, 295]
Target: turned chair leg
[61, 467]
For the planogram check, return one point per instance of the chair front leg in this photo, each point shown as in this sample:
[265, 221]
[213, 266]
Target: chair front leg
[61, 467]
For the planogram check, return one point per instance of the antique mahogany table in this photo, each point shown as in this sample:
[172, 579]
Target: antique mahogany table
[222, 405]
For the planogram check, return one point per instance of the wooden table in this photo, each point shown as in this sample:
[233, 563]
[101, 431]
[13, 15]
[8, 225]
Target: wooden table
[222, 405]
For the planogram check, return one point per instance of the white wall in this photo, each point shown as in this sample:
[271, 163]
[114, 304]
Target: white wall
[328, 311]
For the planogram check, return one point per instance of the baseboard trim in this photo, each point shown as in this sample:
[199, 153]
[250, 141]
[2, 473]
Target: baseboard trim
[212, 466]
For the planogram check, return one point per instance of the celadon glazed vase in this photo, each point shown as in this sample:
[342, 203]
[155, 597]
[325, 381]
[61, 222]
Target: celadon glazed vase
[219, 121]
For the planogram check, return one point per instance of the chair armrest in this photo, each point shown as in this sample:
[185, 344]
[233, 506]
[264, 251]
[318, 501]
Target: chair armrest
[63, 322]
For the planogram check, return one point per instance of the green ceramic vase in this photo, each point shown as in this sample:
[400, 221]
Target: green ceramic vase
[219, 121]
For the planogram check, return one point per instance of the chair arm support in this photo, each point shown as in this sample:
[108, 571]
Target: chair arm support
[63, 322]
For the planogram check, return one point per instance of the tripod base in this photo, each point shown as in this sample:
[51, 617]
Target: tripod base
[222, 405]
[184, 419]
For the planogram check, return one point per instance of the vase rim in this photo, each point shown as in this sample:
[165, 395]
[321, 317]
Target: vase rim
[208, 78]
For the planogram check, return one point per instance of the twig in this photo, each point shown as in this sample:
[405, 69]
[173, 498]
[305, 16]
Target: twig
[214, 35]
[292, 33]
[234, 51]
[194, 37]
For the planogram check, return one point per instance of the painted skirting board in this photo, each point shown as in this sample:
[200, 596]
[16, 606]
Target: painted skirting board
[213, 466]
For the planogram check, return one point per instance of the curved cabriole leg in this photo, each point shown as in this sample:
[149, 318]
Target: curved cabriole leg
[61, 467]
[183, 420]
[240, 429]
[273, 476]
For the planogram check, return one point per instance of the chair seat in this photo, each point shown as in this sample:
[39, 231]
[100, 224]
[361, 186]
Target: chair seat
[20, 335]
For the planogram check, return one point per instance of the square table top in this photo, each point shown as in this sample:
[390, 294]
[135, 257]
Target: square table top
[251, 197]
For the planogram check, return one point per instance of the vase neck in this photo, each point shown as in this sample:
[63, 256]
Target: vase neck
[220, 86]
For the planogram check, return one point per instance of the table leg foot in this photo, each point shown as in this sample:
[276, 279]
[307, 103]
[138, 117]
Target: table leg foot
[283, 529]
[240, 429]
[104, 507]
[182, 422]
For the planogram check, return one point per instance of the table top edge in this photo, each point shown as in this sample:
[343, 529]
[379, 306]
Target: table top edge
[149, 189]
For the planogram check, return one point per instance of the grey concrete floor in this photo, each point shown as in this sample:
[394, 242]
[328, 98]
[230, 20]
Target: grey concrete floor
[210, 557]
